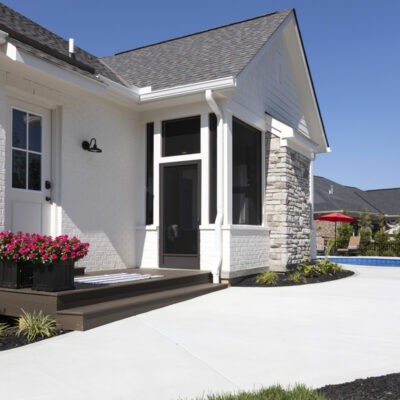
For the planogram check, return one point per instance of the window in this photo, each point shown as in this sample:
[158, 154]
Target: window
[181, 136]
[26, 150]
[212, 124]
[149, 172]
[246, 144]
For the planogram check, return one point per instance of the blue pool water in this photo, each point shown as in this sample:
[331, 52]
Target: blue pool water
[377, 261]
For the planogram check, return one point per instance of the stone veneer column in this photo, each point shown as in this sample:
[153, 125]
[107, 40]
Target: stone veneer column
[287, 207]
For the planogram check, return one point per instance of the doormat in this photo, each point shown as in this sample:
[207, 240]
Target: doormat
[115, 278]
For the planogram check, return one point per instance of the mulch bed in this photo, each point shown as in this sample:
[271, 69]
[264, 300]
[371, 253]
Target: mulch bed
[386, 387]
[250, 281]
[12, 341]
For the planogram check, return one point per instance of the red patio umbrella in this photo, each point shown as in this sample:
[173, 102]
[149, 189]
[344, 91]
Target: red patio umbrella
[336, 217]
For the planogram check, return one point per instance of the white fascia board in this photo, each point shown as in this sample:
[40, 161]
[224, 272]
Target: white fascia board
[57, 71]
[291, 137]
[215, 84]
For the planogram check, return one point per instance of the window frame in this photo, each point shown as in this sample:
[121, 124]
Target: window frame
[26, 150]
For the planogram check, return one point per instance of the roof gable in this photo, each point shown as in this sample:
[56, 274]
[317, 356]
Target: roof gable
[212, 54]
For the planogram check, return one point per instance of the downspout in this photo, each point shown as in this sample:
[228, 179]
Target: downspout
[313, 238]
[216, 270]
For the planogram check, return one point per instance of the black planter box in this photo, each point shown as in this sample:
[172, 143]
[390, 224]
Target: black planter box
[53, 277]
[16, 275]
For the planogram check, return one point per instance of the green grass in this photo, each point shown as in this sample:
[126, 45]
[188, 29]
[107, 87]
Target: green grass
[298, 392]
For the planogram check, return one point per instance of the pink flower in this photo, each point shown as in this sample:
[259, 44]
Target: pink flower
[79, 253]
[46, 256]
[15, 256]
[75, 247]
[53, 256]
[73, 254]
[64, 257]
[6, 252]
[31, 255]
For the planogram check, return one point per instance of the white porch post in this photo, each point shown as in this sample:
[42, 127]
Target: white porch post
[313, 238]
[227, 168]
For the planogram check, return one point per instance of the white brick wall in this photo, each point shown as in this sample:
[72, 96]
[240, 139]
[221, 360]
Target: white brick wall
[248, 251]
[99, 191]
[3, 119]
[147, 247]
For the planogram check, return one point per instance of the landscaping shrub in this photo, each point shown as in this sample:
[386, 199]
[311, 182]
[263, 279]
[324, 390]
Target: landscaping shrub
[4, 329]
[328, 267]
[345, 231]
[276, 392]
[388, 253]
[268, 278]
[36, 325]
[370, 252]
[296, 277]
[381, 241]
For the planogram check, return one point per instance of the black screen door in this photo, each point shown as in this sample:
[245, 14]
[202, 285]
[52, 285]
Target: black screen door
[180, 215]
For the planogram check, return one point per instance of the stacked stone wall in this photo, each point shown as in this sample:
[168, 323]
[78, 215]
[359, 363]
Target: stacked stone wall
[287, 206]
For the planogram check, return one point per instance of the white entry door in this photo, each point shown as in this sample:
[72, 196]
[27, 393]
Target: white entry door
[28, 163]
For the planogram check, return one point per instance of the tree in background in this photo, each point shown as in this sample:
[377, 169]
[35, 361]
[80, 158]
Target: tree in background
[364, 226]
[345, 231]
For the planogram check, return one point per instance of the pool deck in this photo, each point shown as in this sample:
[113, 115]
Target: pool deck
[239, 338]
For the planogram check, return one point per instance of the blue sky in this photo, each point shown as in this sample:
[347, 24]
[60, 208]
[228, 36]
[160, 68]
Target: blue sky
[353, 48]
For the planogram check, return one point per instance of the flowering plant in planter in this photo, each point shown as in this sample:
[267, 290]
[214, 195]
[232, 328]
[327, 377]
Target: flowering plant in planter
[41, 249]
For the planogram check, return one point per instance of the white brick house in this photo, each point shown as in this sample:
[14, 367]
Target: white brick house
[207, 146]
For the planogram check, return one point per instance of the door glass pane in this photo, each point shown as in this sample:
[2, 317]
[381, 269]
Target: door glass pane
[18, 169]
[181, 136]
[34, 174]
[19, 129]
[180, 212]
[35, 133]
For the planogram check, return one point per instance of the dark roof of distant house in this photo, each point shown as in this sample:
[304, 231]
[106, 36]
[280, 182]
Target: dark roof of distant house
[388, 199]
[349, 197]
[207, 55]
[378, 201]
[32, 37]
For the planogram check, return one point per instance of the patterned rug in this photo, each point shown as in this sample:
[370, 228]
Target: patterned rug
[114, 278]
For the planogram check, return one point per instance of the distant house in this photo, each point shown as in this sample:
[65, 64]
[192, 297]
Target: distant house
[330, 196]
[207, 142]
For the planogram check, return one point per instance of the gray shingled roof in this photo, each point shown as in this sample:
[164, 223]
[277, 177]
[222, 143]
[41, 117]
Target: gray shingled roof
[388, 199]
[383, 201]
[32, 37]
[207, 55]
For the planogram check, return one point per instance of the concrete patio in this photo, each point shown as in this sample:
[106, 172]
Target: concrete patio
[239, 338]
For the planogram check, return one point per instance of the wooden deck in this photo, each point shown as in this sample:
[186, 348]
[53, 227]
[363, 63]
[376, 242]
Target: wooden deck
[89, 307]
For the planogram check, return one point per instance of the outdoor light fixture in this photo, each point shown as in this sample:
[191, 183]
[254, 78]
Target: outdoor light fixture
[91, 146]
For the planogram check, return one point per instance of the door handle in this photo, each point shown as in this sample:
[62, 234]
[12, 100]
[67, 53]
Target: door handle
[47, 185]
[48, 198]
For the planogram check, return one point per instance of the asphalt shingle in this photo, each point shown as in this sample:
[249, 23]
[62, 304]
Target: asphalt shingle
[207, 55]
[32, 37]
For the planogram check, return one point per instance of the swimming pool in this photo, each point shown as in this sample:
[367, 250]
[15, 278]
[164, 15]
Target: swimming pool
[376, 261]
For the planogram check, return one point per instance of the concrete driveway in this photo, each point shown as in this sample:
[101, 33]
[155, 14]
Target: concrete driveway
[239, 338]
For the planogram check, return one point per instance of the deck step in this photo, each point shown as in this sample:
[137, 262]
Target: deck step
[72, 299]
[90, 316]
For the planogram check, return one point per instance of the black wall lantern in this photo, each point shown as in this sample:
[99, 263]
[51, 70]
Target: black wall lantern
[91, 146]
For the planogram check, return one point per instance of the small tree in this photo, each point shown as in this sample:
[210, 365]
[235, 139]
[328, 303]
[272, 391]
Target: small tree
[345, 231]
[364, 220]
[381, 241]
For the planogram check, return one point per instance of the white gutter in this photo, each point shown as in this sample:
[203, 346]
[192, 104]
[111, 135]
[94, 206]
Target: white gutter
[146, 94]
[216, 270]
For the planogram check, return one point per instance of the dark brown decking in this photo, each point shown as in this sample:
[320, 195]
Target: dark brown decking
[85, 308]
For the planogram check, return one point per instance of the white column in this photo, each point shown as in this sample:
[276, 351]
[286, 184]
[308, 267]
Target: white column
[227, 168]
[156, 173]
[313, 238]
[205, 168]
